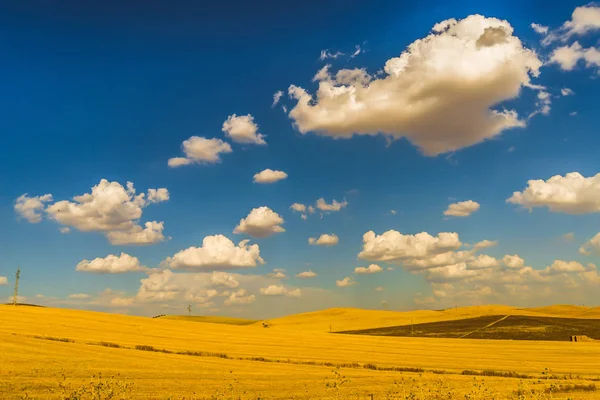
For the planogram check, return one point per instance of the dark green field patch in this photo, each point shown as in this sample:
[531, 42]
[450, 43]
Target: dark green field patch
[514, 327]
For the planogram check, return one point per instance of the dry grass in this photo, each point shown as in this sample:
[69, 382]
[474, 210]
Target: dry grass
[175, 358]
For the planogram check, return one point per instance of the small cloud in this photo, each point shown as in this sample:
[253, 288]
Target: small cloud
[111, 264]
[306, 274]
[511, 149]
[30, 207]
[242, 129]
[278, 290]
[65, 230]
[277, 273]
[358, 50]
[79, 296]
[566, 92]
[484, 244]
[379, 289]
[3, 280]
[371, 269]
[276, 97]
[334, 206]
[325, 54]
[324, 240]
[347, 281]
[462, 209]
[261, 222]
[541, 29]
[569, 237]
[573, 113]
[200, 150]
[269, 176]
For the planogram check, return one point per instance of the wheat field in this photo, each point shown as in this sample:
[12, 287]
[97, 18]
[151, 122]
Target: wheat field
[177, 358]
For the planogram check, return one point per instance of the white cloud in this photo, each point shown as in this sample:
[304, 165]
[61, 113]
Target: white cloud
[152, 233]
[278, 273]
[570, 194]
[334, 206]
[30, 207]
[306, 274]
[80, 296]
[513, 261]
[542, 103]
[592, 246]
[358, 50]
[324, 240]
[111, 264]
[279, 290]
[199, 150]
[114, 210]
[566, 92]
[347, 281]
[438, 94]
[276, 97]
[569, 237]
[64, 230]
[583, 20]
[3, 280]
[449, 273]
[298, 207]
[243, 129]
[560, 267]
[371, 269]
[484, 244]
[203, 288]
[483, 261]
[261, 222]
[462, 209]
[541, 29]
[269, 176]
[311, 209]
[393, 212]
[122, 301]
[223, 279]
[379, 289]
[240, 297]
[393, 246]
[217, 253]
[323, 73]
[567, 57]
[325, 54]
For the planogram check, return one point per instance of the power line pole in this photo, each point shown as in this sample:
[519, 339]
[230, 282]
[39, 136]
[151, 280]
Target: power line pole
[16, 292]
[189, 309]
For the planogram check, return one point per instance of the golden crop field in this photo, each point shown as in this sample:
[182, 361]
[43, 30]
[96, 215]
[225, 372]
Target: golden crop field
[174, 358]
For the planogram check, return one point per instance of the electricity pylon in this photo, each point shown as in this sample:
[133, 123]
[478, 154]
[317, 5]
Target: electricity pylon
[16, 292]
[189, 309]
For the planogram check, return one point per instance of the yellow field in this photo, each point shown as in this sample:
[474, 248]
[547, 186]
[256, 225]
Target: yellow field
[211, 319]
[34, 365]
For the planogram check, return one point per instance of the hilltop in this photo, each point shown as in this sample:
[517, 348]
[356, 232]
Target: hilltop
[346, 319]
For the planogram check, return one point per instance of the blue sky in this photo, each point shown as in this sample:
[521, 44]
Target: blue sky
[94, 92]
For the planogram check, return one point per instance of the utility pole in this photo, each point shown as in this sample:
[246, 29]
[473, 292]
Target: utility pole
[16, 292]
[189, 309]
[412, 329]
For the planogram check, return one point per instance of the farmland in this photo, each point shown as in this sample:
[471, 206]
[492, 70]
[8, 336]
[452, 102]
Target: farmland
[509, 327]
[164, 357]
